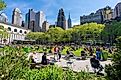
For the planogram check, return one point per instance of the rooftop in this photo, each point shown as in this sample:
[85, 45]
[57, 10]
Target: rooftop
[13, 25]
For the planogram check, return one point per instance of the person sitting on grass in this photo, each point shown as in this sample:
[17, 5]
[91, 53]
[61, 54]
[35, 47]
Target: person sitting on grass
[32, 57]
[44, 59]
[96, 64]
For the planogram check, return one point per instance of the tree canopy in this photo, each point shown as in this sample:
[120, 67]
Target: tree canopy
[90, 31]
[3, 32]
[2, 5]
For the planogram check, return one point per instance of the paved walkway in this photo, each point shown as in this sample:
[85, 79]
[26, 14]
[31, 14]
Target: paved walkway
[77, 65]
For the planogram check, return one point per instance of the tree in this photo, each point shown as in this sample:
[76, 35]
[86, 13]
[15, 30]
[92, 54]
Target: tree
[114, 71]
[35, 35]
[111, 31]
[89, 31]
[85, 32]
[2, 5]
[55, 34]
[3, 34]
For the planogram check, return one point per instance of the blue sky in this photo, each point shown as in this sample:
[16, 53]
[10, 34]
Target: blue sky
[51, 7]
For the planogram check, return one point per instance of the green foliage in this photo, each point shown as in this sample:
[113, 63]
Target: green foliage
[2, 5]
[35, 35]
[111, 31]
[114, 71]
[3, 32]
[14, 66]
[89, 31]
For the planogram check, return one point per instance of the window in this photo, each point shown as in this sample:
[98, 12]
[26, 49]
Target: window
[20, 31]
[9, 28]
[15, 30]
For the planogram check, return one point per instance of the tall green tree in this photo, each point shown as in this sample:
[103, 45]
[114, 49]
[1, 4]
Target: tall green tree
[3, 32]
[2, 5]
[85, 32]
[114, 71]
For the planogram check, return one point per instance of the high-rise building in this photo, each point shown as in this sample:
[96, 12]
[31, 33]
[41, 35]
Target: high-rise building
[39, 20]
[34, 20]
[45, 26]
[17, 17]
[101, 16]
[69, 22]
[117, 10]
[61, 20]
[93, 17]
[30, 20]
[3, 17]
[107, 13]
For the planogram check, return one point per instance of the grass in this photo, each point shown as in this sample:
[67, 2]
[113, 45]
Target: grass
[78, 52]
[64, 50]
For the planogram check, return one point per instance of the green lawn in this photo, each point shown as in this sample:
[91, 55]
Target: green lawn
[78, 52]
[64, 50]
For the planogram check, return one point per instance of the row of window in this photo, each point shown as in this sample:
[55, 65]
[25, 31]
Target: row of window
[15, 30]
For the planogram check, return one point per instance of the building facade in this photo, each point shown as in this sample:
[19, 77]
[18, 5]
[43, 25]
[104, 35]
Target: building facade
[45, 26]
[93, 17]
[117, 10]
[30, 20]
[107, 13]
[15, 32]
[61, 20]
[101, 16]
[69, 21]
[34, 21]
[39, 20]
[17, 17]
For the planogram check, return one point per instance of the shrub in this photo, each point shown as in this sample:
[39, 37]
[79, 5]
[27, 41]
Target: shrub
[114, 71]
[13, 66]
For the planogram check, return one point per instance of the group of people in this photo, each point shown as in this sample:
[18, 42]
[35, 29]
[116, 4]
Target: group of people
[34, 59]
[95, 60]
[101, 52]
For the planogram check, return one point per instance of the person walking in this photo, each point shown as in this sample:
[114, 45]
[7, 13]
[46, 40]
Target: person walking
[55, 52]
[59, 54]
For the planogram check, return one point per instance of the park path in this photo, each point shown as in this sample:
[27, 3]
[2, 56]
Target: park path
[77, 65]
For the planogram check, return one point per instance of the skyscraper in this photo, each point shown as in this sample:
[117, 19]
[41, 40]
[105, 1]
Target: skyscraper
[39, 20]
[30, 20]
[61, 20]
[17, 17]
[117, 10]
[34, 20]
[69, 22]
[45, 26]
